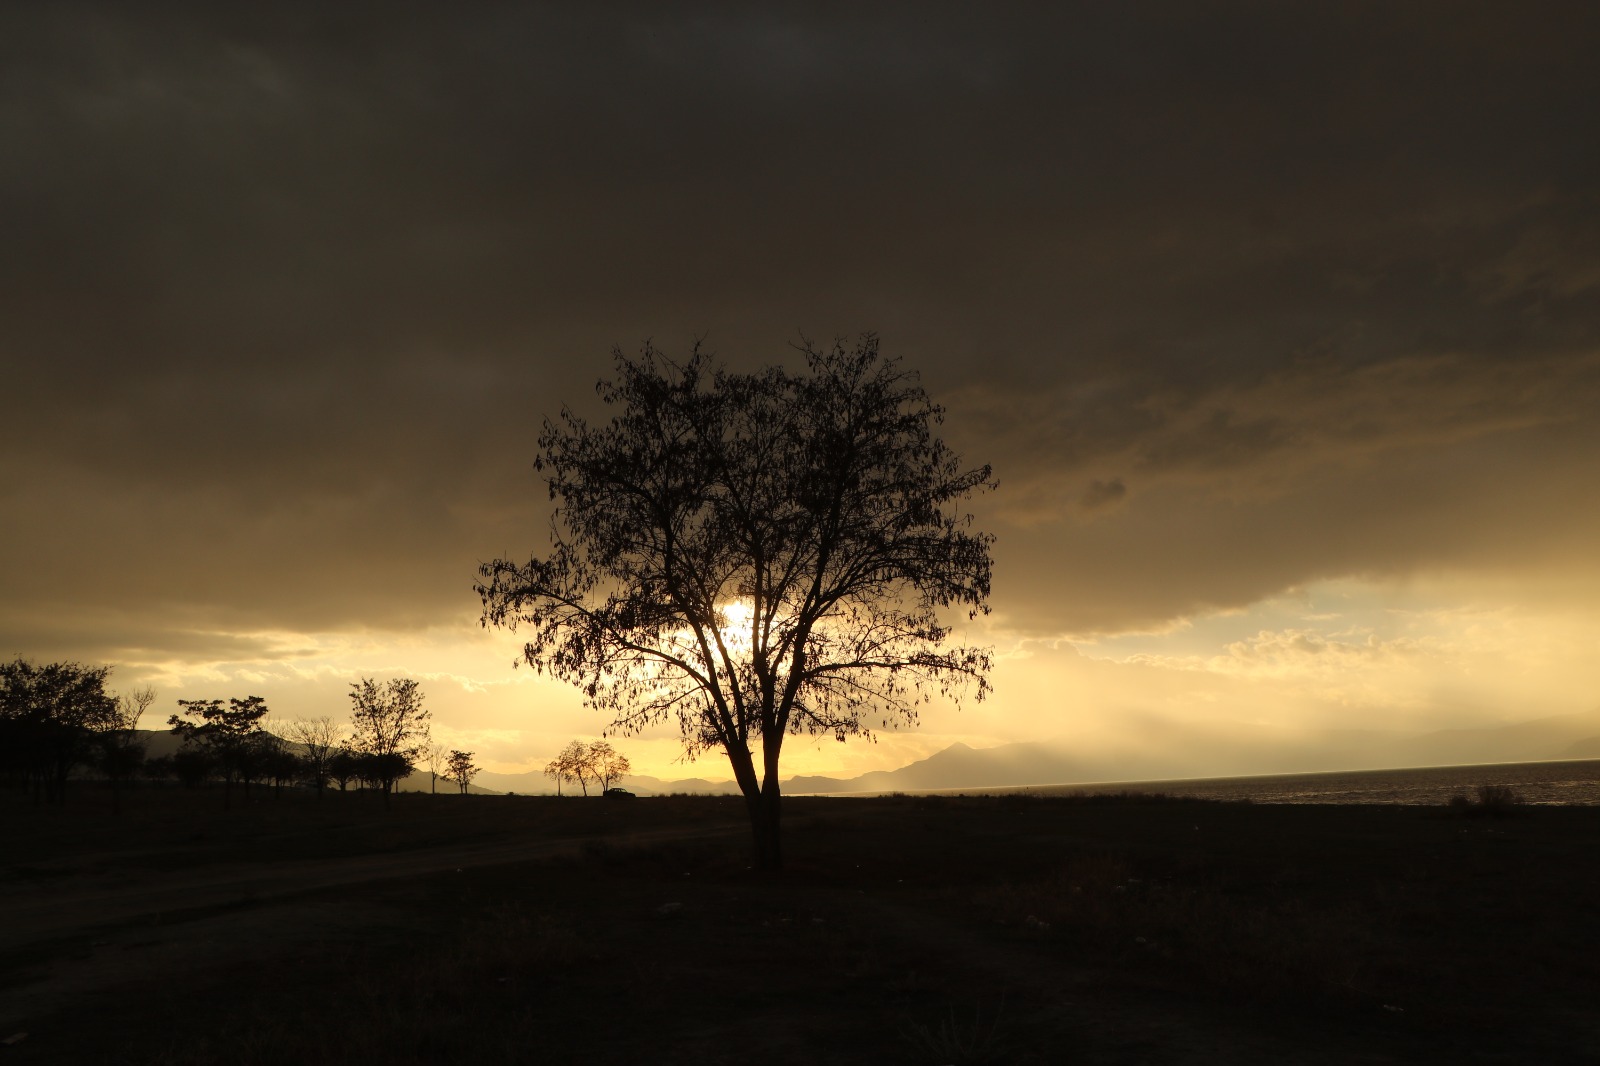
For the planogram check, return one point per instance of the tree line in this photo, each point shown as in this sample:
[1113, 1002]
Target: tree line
[58, 719]
[581, 763]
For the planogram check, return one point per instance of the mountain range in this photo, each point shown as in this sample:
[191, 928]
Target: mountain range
[1151, 752]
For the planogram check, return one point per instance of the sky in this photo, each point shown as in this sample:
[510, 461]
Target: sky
[1279, 325]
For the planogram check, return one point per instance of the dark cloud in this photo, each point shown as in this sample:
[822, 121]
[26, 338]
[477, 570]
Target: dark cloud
[1102, 494]
[287, 289]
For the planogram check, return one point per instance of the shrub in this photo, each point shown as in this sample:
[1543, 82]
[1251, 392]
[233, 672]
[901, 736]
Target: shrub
[1491, 801]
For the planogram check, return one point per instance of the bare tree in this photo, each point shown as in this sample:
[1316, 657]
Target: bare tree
[460, 769]
[320, 738]
[121, 748]
[753, 555]
[433, 757]
[557, 771]
[389, 723]
[609, 763]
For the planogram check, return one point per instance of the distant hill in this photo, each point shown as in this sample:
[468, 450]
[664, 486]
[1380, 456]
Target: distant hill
[1154, 751]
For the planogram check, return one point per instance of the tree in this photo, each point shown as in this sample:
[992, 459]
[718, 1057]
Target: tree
[122, 750]
[753, 556]
[275, 762]
[50, 717]
[460, 769]
[609, 763]
[556, 770]
[433, 757]
[230, 735]
[319, 738]
[343, 767]
[389, 721]
[575, 765]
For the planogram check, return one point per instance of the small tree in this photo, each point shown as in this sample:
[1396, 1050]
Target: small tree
[609, 763]
[433, 757]
[122, 750]
[576, 765]
[460, 769]
[753, 556]
[275, 762]
[343, 767]
[231, 735]
[319, 740]
[557, 771]
[389, 721]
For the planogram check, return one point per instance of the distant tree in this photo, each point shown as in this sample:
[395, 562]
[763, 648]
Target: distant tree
[343, 768]
[389, 721]
[276, 763]
[460, 769]
[319, 740]
[753, 555]
[557, 772]
[193, 766]
[380, 772]
[122, 750]
[50, 719]
[576, 764]
[609, 763]
[158, 769]
[433, 757]
[231, 734]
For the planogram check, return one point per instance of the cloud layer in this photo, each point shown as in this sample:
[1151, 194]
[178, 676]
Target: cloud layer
[1235, 297]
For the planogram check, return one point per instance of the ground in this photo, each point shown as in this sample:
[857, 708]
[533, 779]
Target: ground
[905, 930]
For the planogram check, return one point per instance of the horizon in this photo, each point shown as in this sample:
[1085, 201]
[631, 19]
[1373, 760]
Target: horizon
[1281, 334]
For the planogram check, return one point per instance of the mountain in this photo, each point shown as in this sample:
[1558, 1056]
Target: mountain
[1151, 750]
[1167, 752]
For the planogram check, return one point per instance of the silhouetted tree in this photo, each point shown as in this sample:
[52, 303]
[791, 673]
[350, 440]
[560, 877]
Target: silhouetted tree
[158, 769]
[433, 757]
[343, 767]
[557, 772]
[231, 734]
[193, 766]
[122, 750]
[609, 763]
[319, 740]
[50, 719]
[575, 764]
[390, 722]
[753, 555]
[460, 769]
[276, 763]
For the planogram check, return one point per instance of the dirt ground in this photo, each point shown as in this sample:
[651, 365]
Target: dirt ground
[501, 929]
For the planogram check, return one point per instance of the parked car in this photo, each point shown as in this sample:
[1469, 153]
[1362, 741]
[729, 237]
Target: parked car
[618, 794]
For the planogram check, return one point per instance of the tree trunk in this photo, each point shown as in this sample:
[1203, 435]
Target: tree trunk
[766, 822]
[761, 801]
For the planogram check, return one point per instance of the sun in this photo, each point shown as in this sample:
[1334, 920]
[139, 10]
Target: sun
[733, 622]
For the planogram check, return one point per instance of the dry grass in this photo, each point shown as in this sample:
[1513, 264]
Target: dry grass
[911, 930]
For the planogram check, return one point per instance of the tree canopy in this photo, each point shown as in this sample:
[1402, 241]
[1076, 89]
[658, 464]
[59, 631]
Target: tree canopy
[389, 723]
[753, 555]
[50, 715]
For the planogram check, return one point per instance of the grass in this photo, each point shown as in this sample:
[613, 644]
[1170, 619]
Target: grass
[906, 930]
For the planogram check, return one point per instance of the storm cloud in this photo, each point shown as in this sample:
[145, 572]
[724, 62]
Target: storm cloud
[1234, 297]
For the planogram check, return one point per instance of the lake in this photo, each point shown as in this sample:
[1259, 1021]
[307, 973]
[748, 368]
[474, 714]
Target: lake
[1572, 782]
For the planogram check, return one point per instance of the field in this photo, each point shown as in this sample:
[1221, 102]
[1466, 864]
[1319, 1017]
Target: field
[1012, 929]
